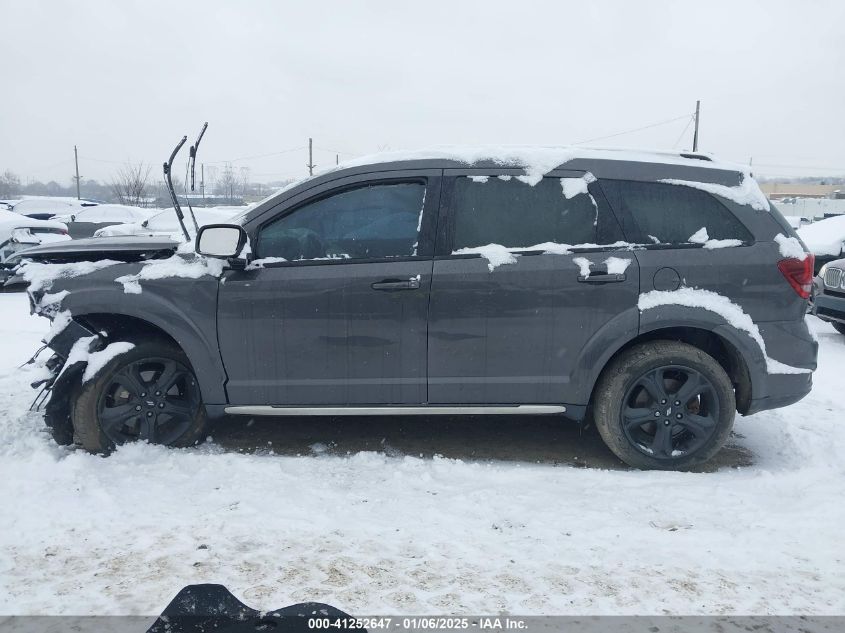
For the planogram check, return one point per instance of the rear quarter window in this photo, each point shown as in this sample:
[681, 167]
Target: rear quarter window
[653, 212]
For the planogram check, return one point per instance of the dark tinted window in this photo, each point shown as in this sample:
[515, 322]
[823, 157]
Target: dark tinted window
[517, 215]
[663, 212]
[370, 221]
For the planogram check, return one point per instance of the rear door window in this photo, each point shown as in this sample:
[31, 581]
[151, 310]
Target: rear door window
[506, 211]
[653, 212]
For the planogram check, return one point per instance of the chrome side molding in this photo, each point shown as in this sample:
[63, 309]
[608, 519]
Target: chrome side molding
[270, 410]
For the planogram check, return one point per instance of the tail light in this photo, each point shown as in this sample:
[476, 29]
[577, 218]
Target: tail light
[799, 274]
[63, 231]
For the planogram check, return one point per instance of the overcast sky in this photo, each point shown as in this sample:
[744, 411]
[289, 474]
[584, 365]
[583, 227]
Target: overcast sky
[124, 80]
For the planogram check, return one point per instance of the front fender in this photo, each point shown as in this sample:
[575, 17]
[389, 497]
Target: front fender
[185, 309]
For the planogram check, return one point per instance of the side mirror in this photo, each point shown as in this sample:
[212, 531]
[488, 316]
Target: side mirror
[220, 240]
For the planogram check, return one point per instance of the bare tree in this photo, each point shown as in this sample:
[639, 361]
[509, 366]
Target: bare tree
[130, 185]
[244, 181]
[227, 181]
[10, 184]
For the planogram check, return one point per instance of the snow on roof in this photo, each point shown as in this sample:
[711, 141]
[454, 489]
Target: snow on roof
[824, 237]
[538, 160]
[107, 213]
[10, 220]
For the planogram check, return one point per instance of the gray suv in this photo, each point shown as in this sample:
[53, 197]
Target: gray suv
[652, 295]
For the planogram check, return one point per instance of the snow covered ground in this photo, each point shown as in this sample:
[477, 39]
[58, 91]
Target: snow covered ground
[388, 531]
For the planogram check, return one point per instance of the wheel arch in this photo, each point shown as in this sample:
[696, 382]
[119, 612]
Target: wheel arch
[124, 325]
[206, 365]
[720, 342]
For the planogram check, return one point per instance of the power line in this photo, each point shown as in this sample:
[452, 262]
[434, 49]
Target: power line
[234, 160]
[840, 169]
[103, 160]
[53, 166]
[334, 151]
[639, 129]
[692, 118]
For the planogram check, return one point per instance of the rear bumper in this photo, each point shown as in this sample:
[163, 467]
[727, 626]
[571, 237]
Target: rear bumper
[830, 307]
[791, 343]
[783, 390]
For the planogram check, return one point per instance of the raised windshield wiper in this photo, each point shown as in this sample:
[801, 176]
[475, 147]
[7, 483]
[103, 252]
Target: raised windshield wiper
[168, 166]
[192, 157]
[193, 153]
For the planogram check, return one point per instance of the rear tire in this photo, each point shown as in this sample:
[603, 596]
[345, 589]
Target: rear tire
[839, 327]
[148, 393]
[664, 405]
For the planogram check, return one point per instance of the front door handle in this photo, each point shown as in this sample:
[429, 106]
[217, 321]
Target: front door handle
[601, 277]
[397, 284]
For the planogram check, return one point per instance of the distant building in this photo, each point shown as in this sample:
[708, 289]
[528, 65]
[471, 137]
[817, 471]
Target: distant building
[781, 190]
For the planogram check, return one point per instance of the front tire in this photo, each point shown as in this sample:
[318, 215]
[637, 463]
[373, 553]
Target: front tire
[839, 327]
[664, 405]
[147, 393]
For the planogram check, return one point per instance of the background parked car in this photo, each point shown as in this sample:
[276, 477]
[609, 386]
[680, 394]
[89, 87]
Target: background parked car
[44, 208]
[85, 222]
[19, 232]
[829, 299]
[825, 239]
[165, 223]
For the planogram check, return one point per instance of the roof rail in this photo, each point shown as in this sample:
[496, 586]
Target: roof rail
[695, 156]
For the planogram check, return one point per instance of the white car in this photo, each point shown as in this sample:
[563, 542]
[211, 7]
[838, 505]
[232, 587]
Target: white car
[165, 223]
[87, 221]
[19, 232]
[825, 239]
[45, 207]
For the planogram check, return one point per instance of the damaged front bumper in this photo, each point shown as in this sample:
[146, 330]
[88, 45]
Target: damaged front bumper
[62, 344]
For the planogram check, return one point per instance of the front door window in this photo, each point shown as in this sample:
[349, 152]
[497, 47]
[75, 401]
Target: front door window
[369, 222]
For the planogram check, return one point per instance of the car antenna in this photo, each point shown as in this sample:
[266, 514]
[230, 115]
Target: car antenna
[192, 157]
[167, 169]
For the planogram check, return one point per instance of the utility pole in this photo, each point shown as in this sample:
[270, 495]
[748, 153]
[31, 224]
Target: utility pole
[202, 181]
[695, 136]
[337, 159]
[76, 160]
[310, 164]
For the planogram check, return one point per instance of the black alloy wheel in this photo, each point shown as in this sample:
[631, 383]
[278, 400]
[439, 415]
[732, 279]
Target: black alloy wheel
[148, 393]
[664, 404]
[153, 399]
[670, 412]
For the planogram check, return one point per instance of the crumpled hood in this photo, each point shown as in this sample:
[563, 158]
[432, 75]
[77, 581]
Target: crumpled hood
[126, 249]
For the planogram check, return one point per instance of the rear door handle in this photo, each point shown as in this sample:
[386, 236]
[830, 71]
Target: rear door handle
[397, 284]
[601, 277]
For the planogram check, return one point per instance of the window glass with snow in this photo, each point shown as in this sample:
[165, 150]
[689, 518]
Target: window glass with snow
[666, 213]
[506, 211]
[373, 221]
